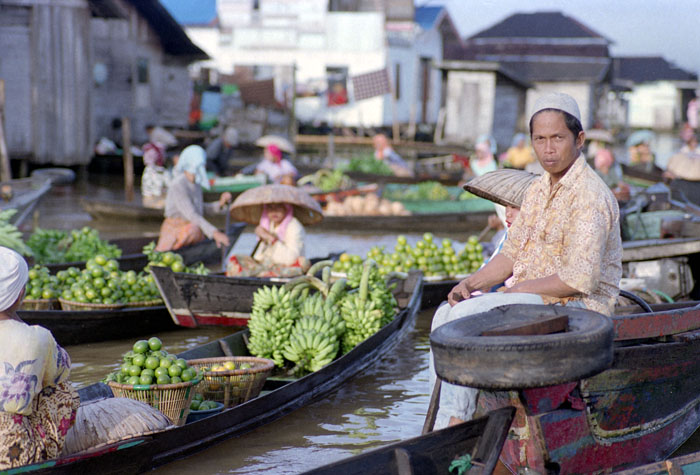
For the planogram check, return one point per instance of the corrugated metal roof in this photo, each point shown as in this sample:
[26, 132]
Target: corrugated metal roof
[538, 25]
[559, 71]
[641, 69]
[426, 17]
[192, 12]
[172, 37]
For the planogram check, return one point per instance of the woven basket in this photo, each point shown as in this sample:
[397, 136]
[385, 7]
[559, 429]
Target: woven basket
[235, 386]
[146, 303]
[70, 305]
[40, 304]
[173, 400]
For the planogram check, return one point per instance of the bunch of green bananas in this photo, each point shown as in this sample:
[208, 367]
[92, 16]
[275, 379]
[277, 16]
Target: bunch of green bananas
[272, 317]
[10, 236]
[363, 315]
[312, 344]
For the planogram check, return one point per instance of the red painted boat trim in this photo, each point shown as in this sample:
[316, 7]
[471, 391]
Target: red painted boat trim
[654, 325]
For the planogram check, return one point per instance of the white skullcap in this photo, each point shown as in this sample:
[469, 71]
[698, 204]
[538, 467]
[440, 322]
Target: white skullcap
[13, 277]
[559, 101]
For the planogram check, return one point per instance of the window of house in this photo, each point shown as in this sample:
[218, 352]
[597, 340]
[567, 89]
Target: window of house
[142, 70]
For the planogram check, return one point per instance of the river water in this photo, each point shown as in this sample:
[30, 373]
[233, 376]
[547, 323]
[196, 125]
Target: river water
[386, 403]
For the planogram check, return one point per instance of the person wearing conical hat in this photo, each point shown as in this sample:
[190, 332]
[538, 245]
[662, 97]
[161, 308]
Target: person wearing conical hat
[37, 401]
[184, 222]
[279, 213]
[563, 249]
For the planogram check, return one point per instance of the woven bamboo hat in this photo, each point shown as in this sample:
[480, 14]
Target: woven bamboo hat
[505, 186]
[248, 205]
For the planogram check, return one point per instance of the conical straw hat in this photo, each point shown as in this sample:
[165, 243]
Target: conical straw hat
[282, 143]
[248, 205]
[505, 186]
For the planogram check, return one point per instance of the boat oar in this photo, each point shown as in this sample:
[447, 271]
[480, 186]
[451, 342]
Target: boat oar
[432, 408]
[224, 249]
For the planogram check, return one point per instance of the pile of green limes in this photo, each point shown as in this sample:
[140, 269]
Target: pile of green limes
[147, 363]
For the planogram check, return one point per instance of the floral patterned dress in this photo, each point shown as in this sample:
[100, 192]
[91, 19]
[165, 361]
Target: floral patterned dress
[37, 403]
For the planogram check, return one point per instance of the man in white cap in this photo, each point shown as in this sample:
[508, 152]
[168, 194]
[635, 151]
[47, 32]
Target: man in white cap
[565, 246]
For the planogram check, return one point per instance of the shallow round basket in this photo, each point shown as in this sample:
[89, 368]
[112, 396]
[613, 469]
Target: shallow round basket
[146, 303]
[70, 305]
[233, 387]
[40, 304]
[197, 415]
[173, 400]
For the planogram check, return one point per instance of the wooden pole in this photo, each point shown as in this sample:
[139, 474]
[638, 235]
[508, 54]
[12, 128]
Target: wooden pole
[128, 159]
[292, 109]
[5, 171]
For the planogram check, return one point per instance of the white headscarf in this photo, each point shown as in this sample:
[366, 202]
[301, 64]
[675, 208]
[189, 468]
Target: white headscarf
[13, 277]
[193, 159]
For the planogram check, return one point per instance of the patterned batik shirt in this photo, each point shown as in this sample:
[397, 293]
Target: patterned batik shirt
[30, 361]
[572, 230]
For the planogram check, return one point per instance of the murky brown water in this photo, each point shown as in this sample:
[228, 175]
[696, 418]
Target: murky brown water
[386, 403]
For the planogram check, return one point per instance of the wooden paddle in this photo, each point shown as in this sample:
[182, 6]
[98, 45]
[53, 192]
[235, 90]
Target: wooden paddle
[225, 249]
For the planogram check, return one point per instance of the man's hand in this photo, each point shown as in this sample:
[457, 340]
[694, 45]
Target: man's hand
[458, 293]
[221, 239]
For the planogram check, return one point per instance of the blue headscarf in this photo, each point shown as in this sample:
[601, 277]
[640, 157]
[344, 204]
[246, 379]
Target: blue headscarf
[486, 137]
[193, 160]
[517, 138]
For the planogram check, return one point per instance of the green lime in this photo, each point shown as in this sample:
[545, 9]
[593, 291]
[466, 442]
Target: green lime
[141, 346]
[146, 379]
[139, 359]
[154, 343]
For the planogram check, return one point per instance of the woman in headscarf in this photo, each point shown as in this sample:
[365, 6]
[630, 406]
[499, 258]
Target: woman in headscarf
[184, 222]
[483, 160]
[277, 210]
[275, 168]
[520, 154]
[155, 177]
[37, 402]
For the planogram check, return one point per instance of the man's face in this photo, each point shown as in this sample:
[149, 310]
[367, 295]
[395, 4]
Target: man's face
[555, 145]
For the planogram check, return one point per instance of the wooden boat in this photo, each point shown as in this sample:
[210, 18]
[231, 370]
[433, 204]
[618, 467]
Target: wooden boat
[133, 259]
[23, 195]
[75, 327]
[636, 412]
[279, 397]
[433, 452]
[457, 221]
[682, 464]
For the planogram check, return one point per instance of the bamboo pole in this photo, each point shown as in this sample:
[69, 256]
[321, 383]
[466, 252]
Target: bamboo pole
[292, 109]
[128, 159]
[5, 171]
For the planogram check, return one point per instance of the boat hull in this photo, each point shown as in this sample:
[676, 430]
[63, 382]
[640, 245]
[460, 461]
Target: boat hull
[88, 326]
[636, 412]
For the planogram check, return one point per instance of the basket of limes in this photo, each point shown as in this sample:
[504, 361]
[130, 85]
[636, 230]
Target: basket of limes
[232, 380]
[151, 375]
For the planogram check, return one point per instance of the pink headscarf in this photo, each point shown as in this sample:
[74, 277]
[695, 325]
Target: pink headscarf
[282, 229]
[603, 159]
[276, 152]
[153, 155]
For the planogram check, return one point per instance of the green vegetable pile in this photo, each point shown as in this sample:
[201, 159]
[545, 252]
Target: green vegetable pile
[425, 191]
[309, 320]
[434, 261]
[50, 246]
[10, 236]
[147, 363]
[328, 180]
[367, 164]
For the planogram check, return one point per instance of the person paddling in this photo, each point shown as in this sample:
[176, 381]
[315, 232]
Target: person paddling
[184, 222]
[563, 249]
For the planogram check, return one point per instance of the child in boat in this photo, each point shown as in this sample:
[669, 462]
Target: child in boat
[279, 211]
[37, 402]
